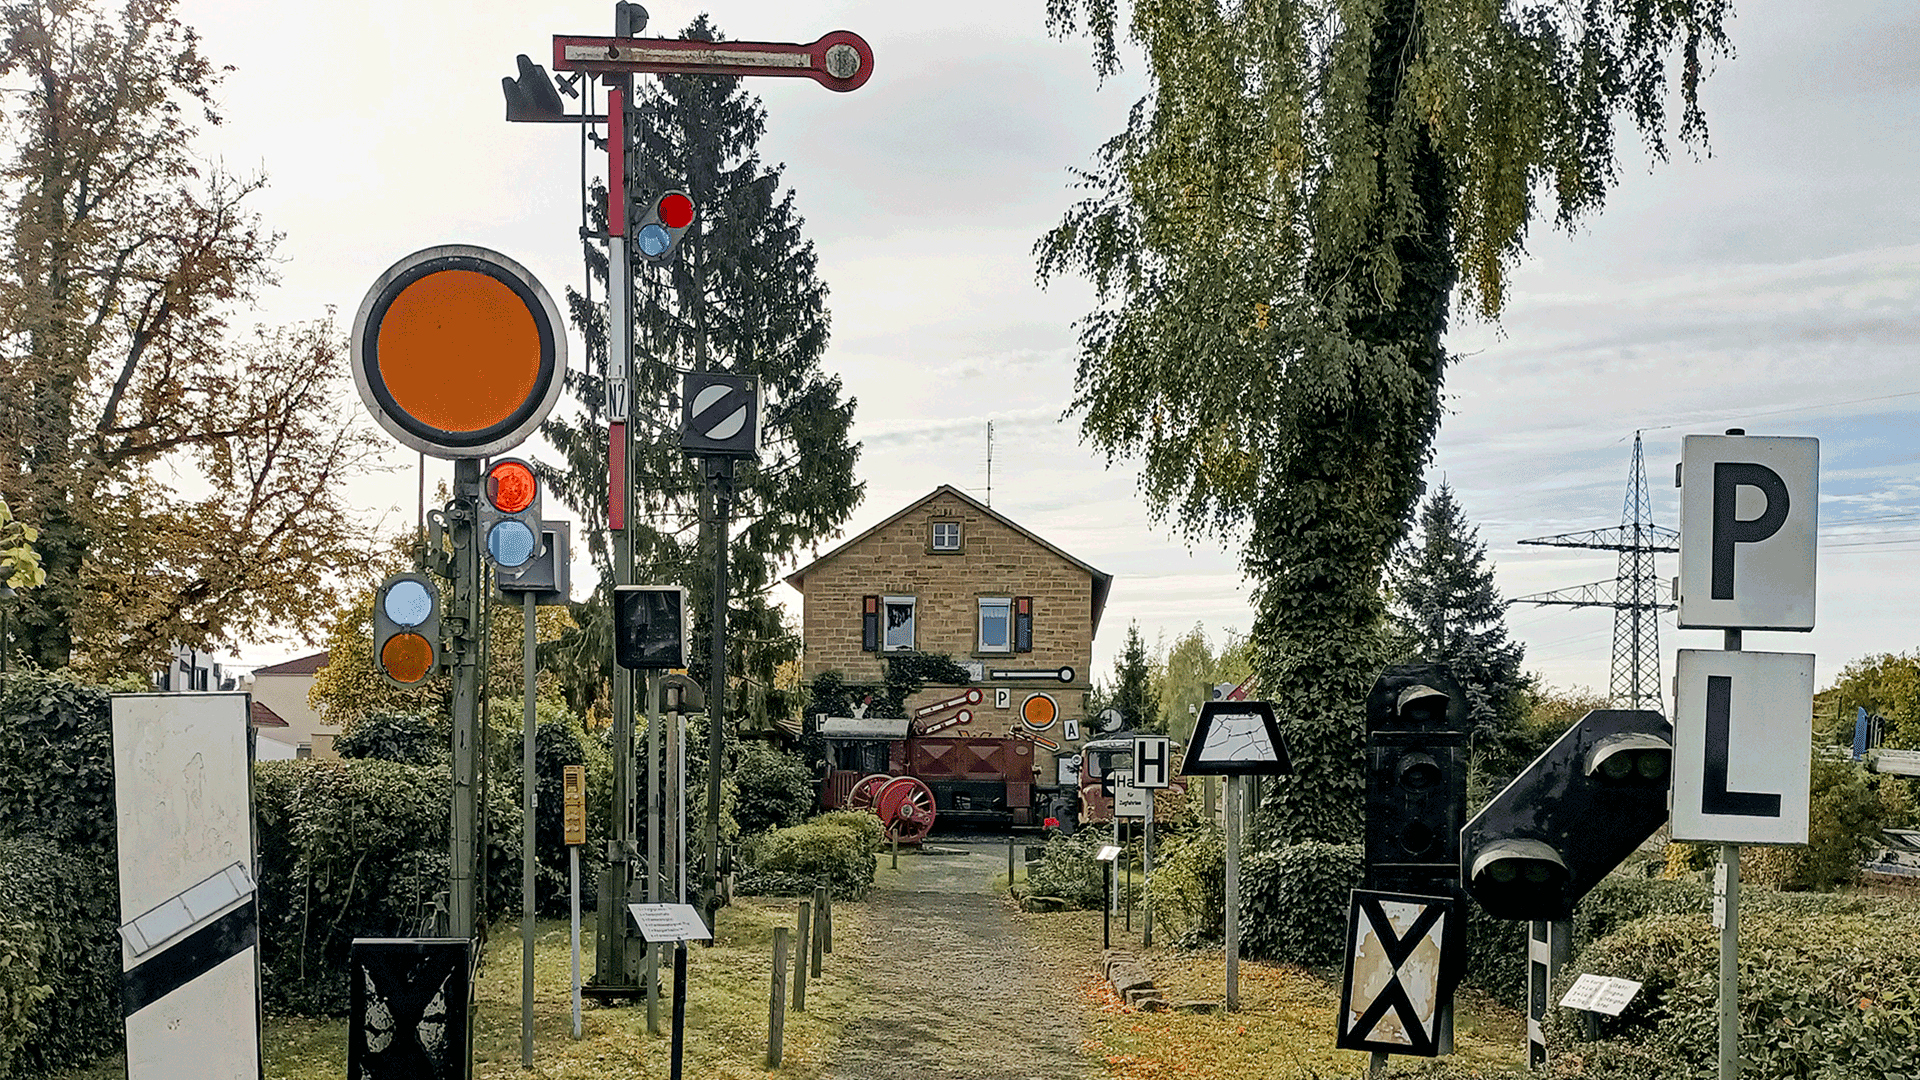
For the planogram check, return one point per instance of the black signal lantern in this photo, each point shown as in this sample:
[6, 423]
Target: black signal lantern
[406, 629]
[1583, 806]
[1416, 779]
[662, 225]
[650, 627]
[510, 513]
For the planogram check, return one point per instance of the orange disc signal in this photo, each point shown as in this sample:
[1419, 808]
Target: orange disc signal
[458, 352]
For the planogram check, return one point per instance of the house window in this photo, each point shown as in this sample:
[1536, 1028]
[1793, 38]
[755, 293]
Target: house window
[897, 617]
[946, 536]
[996, 624]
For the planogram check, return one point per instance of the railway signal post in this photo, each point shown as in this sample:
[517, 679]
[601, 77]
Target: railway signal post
[840, 61]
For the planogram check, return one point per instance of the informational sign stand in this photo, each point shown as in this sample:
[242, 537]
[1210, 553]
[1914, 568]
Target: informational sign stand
[1749, 515]
[573, 821]
[679, 924]
[1152, 770]
[1235, 739]
[189, 916]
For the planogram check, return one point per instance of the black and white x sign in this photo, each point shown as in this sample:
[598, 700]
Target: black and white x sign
[719, 415]
[1396, 979]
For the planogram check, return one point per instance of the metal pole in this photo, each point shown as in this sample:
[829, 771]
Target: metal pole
[529, 642]
[720, 476]
[654, 845]
[679, 736]
[573, 886]
[679, 1006]
[1106, 911]
[466, 692]
[1127, 892]
[1146, 872]
[1730, 943]
[1009, 866]
[1233, 892]
[777, 1000]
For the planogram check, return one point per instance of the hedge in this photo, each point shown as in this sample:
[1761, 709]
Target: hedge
[357, 848]
[829, 850]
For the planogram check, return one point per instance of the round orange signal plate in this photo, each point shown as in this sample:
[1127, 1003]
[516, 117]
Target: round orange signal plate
[406, 658]
[458, 352]
[1039, 712]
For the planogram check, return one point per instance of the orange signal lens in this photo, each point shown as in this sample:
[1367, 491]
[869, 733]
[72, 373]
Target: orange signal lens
[511, 487]
[1039, 712]
[459, 350]
[407, 658]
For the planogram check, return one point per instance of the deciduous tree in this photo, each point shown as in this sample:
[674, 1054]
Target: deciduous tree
[186, 489]
[1275, 239]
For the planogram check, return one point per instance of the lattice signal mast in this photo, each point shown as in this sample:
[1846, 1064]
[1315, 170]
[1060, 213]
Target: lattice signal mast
[1633, 594]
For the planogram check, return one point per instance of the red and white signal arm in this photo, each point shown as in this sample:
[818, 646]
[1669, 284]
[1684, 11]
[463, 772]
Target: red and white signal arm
[1749, 510]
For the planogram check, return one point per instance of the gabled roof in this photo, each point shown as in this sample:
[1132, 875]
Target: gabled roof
[261, 716]
[1102, 581]
[300, 665]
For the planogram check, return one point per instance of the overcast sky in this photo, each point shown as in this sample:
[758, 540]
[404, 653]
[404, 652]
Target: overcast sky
[1773, 285]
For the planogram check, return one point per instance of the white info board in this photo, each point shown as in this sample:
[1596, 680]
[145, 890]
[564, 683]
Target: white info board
[189, 934]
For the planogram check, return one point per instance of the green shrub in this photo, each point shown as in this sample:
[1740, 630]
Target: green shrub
[66, 1009]
[775, 789]
[1829, 985]
[405, 740]
[357, 848]
[1189, 887]
[864, 822]
[1294, 901]
[798, 859]
[1068, 871]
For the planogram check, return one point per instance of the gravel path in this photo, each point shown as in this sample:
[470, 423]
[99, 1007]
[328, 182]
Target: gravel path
[954, 989]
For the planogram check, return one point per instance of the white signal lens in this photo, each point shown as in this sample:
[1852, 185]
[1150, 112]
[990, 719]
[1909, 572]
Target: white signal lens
[510, 543]
[653, 240]
[407, 603]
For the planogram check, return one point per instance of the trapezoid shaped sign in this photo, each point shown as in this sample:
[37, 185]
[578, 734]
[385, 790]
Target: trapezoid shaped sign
[1236, 738]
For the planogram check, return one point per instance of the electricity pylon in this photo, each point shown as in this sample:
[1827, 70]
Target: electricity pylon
[1633, 593]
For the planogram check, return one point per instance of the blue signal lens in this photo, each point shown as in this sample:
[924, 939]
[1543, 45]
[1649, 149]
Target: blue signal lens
[407, 603]
[510, 543]
[653, 240]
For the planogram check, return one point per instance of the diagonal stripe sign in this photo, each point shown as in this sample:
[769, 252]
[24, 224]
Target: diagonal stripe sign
[1395, 987]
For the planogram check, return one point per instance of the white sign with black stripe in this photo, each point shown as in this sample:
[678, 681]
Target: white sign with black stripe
[190, 988]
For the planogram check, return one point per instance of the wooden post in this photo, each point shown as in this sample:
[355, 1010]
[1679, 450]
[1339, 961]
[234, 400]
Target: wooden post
[820, 927]
[800, 948]
[825, 929]
[777, 1002]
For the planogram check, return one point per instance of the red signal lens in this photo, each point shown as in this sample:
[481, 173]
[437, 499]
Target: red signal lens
[511, 487]
[675, 210]
[406, 657]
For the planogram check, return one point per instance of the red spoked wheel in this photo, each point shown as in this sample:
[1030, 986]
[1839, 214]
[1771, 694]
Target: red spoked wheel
[906, 808]
[862, 795]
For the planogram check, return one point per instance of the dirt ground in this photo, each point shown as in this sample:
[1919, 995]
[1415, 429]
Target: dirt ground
[964, 992]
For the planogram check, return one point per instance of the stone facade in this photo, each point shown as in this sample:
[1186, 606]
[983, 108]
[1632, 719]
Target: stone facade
[991, 558]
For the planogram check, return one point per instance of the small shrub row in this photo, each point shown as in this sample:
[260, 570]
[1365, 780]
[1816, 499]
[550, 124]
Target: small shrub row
[836, 850]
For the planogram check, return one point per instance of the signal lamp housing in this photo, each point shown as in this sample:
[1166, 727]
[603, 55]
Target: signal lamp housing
[406, 629]
[663, 224]
[510, 513]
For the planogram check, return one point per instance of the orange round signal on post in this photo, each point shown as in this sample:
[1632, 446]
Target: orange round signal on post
[407, 658]
[511, 487]
[458, 352]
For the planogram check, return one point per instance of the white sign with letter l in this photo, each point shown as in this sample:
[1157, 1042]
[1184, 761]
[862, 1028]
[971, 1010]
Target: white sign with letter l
[1742, 747]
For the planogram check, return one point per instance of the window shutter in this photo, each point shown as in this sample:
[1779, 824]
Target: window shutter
[870, 625]
[1023, 624]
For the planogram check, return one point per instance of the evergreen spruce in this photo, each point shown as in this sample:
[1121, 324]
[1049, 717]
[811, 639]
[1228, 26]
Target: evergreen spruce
[1133, 692]
[1446, 609]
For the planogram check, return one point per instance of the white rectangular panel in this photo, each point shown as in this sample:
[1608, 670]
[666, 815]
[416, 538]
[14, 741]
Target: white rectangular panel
[1743, 747]
[183, 799]
[1749, 517]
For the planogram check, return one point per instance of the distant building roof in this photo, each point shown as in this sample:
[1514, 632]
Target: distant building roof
[303, 665]
[261, 716]
[1102, 581]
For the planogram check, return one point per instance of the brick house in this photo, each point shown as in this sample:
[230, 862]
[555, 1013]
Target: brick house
[949, 575]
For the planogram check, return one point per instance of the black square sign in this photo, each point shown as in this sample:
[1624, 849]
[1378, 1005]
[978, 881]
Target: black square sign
[719, 415]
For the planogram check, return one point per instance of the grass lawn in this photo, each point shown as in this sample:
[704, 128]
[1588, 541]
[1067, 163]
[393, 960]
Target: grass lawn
[727, 989]
[1284, 1029]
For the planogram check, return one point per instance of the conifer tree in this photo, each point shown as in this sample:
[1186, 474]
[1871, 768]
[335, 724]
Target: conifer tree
[741, 295]
[1133, 692]
[1446, 609]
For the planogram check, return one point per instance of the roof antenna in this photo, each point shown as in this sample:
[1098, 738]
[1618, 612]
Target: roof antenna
[989, 464]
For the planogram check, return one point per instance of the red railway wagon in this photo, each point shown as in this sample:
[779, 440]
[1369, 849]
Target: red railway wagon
[988, 781]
